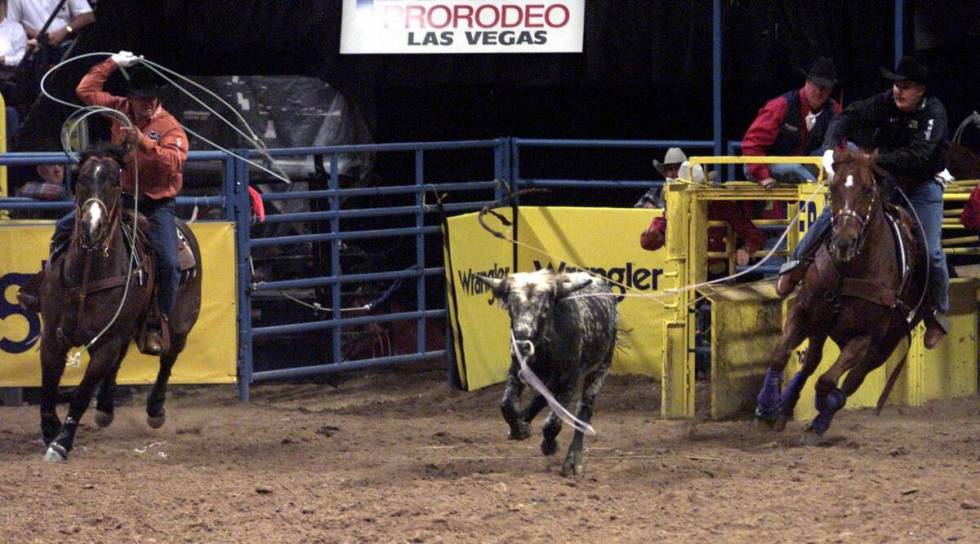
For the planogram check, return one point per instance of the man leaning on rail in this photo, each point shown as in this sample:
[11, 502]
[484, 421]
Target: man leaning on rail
[908, 128]
[159, 148]
[793, 123]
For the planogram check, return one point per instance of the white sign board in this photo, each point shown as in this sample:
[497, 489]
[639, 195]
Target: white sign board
[462, 26]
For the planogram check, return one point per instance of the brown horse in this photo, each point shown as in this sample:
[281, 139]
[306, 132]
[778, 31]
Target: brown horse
[96, 295]
[863, 290]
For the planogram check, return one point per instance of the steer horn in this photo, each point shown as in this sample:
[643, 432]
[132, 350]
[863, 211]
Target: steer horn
[493, 283]
[567, 286]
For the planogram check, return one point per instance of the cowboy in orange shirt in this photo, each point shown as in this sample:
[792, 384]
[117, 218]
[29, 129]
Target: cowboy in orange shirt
[159, 150]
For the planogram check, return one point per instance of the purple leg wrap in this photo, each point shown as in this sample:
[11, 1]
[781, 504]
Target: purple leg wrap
[792, 392]
[826, 408]
[768, 400]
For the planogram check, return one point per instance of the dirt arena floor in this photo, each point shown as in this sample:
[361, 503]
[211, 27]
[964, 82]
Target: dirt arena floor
[399, 457]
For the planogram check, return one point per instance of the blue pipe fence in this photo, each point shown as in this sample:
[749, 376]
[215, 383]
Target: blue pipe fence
[500, 165]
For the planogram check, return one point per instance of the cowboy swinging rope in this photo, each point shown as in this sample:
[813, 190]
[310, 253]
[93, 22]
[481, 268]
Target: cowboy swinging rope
[73, 123]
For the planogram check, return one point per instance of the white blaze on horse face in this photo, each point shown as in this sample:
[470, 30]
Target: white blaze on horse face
[93, 216]
[849, 182]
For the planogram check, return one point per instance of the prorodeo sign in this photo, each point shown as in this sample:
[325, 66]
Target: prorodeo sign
[462, 26]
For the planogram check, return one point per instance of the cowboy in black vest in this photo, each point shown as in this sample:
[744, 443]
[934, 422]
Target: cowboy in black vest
[793, 124]
[908, 128]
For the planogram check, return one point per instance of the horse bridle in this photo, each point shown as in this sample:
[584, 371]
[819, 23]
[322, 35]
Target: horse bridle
[862, 220]
[110, 214]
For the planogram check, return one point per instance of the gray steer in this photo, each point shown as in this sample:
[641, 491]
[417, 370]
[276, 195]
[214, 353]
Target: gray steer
[573, 336]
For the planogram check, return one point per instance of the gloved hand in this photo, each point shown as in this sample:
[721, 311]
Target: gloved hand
[125, 59]
[828, 163]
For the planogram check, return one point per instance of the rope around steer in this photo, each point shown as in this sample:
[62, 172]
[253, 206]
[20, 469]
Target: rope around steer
[535, 382]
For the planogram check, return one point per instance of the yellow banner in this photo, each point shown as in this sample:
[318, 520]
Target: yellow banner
[603, 241]
[212, 347]
[481, 329]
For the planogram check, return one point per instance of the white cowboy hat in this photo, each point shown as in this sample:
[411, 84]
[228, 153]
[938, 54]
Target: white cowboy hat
[674, 155]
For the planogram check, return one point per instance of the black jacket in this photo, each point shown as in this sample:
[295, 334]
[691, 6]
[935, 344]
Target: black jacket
[911, 145]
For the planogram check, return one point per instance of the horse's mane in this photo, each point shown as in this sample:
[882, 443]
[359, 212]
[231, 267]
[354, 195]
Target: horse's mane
[859, 159]
[104, 149]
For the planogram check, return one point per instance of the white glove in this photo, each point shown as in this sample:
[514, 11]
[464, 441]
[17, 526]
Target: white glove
[125, 59]
[828, 163]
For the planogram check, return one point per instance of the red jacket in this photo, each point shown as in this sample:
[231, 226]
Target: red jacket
[971, 210]
[736, 213]
[764, 131]
[162, 151]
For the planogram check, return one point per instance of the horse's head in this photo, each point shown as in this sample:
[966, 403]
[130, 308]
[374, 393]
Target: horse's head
[854, 197]
[97, 192]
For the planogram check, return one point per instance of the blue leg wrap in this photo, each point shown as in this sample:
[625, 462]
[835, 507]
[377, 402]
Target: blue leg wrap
[826, 408]
[768, 400]
[792, 392]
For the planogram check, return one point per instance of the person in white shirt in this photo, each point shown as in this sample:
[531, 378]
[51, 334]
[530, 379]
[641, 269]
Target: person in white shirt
[13, 40]
[32, 14]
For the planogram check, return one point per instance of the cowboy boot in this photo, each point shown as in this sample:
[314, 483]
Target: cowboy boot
[790, 275]
[937, 325]
[157, 338]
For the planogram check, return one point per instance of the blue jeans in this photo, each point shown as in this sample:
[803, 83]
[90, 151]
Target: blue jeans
[162, 236]
[791, 173]
[927, 201]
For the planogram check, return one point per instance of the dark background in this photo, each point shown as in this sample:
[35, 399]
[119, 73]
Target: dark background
[645, 71]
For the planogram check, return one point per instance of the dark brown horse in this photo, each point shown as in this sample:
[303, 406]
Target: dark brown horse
[96, 295]
[863, 290]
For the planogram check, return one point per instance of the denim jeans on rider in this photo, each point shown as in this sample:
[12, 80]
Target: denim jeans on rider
[927, 201]
[791, 173]
[162, 236]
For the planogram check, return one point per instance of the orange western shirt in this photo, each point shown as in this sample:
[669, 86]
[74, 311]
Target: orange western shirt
[162, 151]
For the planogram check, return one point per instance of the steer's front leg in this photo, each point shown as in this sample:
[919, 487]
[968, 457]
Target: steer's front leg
[509, 406]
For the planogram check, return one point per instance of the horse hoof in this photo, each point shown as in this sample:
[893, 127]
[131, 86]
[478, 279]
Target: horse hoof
[103, 419]
[810, 438]
[779, 425]
[155, 422]
[55, 454]
[549, 447]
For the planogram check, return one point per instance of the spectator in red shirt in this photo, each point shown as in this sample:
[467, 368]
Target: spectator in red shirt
[793, 124]
[971, 211]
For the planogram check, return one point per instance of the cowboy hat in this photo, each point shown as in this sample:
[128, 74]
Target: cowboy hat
[822, 72]
[908, 69]
[674, 155]
[143, 83]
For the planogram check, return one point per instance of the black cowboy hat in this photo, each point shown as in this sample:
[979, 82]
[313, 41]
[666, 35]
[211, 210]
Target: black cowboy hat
[908, 69]
[822, 72]
[143, 83]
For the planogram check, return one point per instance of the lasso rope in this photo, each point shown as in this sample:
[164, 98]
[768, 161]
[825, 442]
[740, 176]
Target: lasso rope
[808, 197]
[535, 382]
[72, 124]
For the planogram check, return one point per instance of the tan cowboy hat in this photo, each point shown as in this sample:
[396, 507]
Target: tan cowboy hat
[674, 155]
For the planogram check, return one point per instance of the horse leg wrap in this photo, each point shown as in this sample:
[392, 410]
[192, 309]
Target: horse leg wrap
[826, 408]
[768, 400]
[792, 392]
